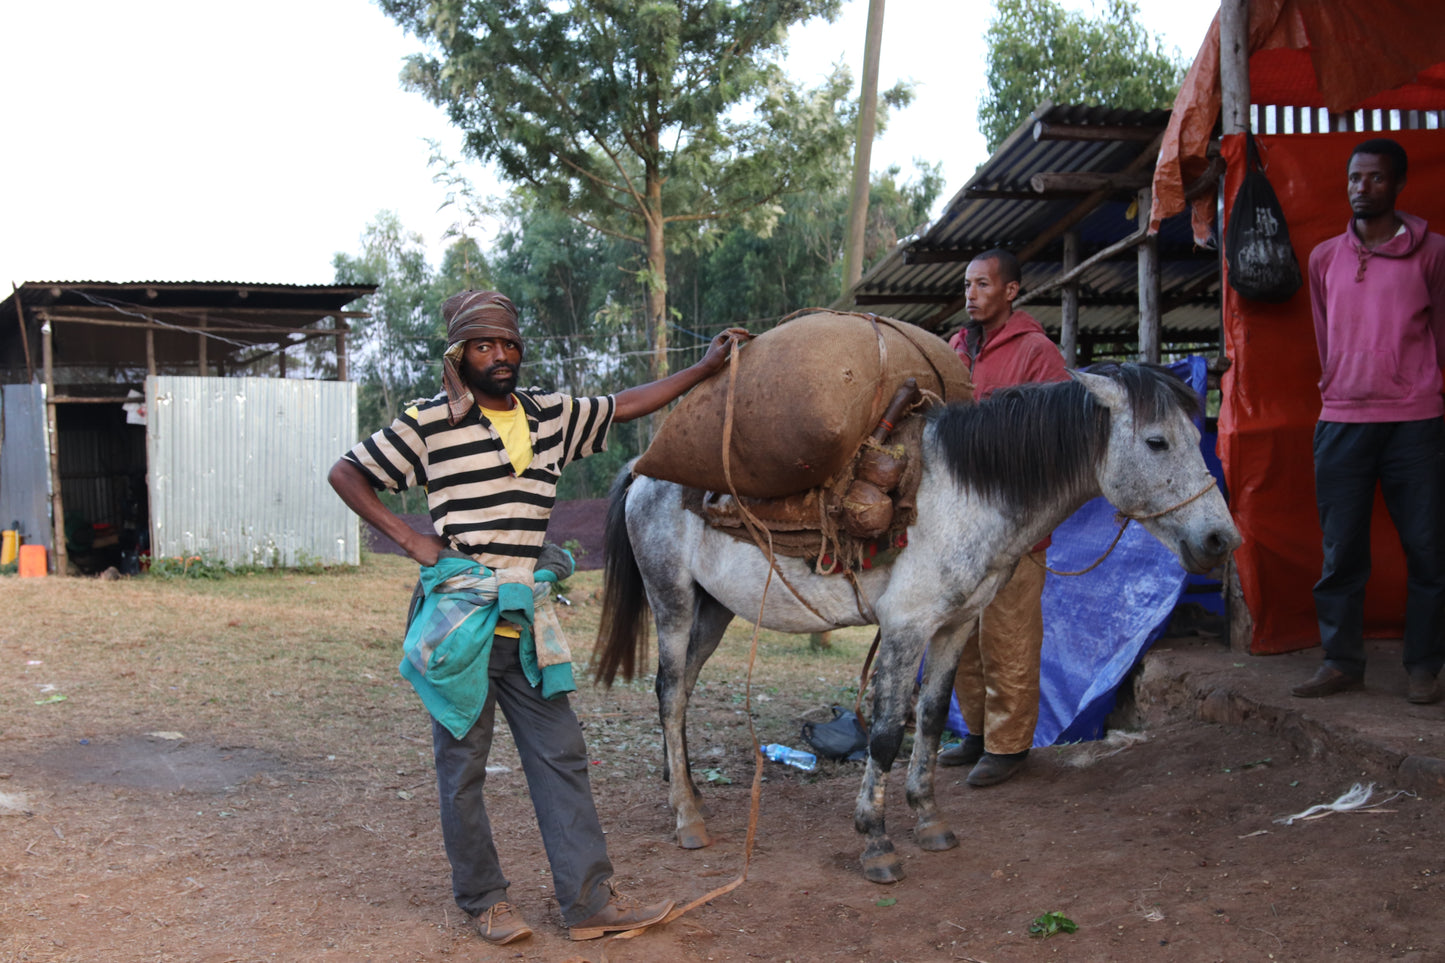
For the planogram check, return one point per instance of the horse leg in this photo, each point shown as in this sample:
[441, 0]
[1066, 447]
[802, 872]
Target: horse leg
[892, 686]
[932, 832]
[677, 672]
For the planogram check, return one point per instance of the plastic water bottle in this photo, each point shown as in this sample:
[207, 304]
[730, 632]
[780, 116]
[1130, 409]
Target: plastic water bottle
[787, 755]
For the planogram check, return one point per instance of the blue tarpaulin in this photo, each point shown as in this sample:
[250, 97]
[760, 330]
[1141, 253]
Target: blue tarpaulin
[1098, 625]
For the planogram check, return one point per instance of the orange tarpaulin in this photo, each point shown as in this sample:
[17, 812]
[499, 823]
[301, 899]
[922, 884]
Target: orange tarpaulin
[1271, 396]
[1342, 55]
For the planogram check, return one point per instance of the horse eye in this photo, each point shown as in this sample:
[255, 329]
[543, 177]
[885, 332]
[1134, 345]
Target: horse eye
[1157, 444]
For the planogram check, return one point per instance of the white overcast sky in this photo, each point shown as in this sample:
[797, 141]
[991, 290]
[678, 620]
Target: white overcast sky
[182, 141]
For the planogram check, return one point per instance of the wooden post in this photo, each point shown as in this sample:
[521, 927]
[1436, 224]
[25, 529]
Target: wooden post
[24, 335]
[340, 353]
[1069, 333]
[151, 351]
[1148, 285]
[52, 445]
[281, 360]
[201, 346]
[1234, 66]
[863, 149]
[1234, 119]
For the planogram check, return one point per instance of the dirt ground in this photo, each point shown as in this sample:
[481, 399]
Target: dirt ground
[142, 827]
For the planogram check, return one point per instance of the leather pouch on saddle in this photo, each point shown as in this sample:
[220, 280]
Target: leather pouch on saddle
[804, 396]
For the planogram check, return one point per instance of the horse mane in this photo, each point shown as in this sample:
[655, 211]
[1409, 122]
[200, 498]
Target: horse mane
[1024, 444]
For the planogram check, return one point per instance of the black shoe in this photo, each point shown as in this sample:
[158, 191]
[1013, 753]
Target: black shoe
[996, 767]
[1423, 689]
[966, 753]
[1326, 682]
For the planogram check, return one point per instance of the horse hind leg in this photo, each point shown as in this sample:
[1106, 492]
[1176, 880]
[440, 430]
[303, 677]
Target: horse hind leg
[683, 647]
[931, 831]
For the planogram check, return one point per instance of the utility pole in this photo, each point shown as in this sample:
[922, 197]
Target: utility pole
[863, 150]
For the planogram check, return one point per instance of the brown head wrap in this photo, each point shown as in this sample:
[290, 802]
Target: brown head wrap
[471, 315]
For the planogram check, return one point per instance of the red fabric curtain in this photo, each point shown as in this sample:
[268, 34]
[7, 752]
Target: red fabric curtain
[1271, 396]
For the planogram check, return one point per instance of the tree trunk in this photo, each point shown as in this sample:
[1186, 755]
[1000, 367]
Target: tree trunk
[656, 286]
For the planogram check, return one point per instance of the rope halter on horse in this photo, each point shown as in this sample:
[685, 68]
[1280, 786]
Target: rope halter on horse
[1124, 519]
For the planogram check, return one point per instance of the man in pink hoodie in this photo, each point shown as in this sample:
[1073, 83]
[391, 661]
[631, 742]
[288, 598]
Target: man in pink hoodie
[1378, 295]
[998, 675]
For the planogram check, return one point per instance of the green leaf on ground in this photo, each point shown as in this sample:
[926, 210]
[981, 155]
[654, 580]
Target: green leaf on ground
[1051, 924]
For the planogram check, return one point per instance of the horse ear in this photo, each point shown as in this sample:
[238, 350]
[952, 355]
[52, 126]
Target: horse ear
[1106, 391]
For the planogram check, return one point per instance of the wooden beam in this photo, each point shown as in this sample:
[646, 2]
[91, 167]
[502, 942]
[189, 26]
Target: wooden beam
[1095, 132]
[1085, 182]
[1208, 181]
[188, 329]
[88, 400]
[869, 299]
[1118, 246]
[1004, 194]
[941, 256]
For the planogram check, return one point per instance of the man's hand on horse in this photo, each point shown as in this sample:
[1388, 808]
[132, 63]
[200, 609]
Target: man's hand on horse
[717, 352]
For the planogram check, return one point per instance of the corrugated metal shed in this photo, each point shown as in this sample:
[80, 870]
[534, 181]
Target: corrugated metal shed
[238, 468]
[999, 206]
[238, 486]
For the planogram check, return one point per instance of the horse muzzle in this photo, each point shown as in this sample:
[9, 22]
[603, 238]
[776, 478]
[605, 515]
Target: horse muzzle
[1202, 555]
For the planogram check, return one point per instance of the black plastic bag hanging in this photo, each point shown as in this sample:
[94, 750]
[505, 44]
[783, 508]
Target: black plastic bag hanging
[1262, 265]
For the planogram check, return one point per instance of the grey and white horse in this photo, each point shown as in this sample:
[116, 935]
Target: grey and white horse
[998, 476]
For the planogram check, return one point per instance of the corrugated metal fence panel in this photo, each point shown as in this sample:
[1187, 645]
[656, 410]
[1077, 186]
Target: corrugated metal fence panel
[238, 469]
[25, 463]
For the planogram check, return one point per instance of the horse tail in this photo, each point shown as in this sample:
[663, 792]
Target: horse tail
[622, 632]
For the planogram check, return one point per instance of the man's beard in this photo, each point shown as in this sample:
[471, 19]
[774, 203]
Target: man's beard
[489, 383]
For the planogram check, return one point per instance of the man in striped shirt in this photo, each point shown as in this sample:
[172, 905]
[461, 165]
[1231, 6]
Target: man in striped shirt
[489, 456]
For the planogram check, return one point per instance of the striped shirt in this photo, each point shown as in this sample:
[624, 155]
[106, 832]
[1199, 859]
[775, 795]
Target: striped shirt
[477, 502]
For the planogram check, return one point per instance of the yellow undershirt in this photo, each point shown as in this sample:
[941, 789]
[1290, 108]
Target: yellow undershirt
[515, 433]
[511, 426]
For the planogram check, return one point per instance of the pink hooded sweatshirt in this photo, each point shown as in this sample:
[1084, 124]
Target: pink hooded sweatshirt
[1380, 325]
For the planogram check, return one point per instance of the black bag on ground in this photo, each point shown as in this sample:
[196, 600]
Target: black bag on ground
[841, 739]
[1262, 265]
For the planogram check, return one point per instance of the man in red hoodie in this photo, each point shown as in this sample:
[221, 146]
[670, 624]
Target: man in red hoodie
[1378, 295]
[998, 675]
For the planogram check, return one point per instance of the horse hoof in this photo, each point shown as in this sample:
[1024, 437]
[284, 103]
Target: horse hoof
[937, 840]
[693, 837]
[882, 866]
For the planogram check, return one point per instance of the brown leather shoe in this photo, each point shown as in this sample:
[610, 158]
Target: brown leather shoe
[1423, 689]
[620, 913]
[1326, 682]
[995, 768]
[501, 923]
[966, 753]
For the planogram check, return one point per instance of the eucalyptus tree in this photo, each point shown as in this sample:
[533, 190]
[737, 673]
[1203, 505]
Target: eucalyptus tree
[633, 116]
[1039, 51]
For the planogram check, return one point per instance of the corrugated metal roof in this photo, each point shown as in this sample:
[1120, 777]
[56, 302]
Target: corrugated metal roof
[999, 207]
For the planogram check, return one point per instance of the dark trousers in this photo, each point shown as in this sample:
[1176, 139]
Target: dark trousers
[1407, 460]
[554, 757]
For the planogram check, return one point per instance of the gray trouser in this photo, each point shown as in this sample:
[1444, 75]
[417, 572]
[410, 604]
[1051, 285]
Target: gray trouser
[549, 739]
